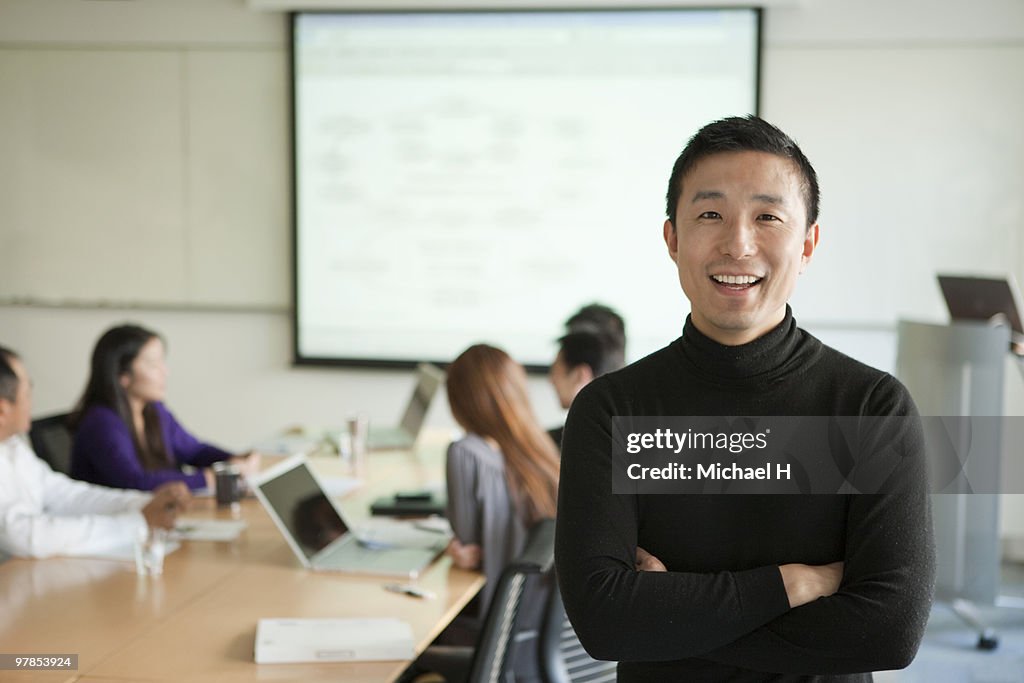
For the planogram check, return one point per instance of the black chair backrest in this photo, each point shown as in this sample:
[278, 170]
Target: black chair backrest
[51, 440]
[524, 582]
[563, 659]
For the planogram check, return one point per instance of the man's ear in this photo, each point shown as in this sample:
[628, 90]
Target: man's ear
[810, 244]
[6, 408]
[582, 375]
[671, 239]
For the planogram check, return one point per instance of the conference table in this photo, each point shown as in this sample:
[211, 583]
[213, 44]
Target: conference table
[197, 622]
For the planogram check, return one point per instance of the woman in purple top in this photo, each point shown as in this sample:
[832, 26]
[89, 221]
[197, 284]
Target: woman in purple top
[124, 437]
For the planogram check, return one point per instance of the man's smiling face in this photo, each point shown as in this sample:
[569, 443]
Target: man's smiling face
[740, 241]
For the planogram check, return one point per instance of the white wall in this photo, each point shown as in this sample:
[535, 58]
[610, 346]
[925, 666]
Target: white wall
[155, 129]
[166, 145]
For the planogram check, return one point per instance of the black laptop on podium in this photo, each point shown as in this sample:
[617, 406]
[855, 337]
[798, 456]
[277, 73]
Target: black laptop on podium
[984, 299]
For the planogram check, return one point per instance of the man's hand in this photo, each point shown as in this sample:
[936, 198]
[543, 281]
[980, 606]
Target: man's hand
[168, 500]
[645, 562]
[464, 556]
[806, 583]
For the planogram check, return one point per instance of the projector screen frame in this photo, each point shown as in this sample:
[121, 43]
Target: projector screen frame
[298, 359]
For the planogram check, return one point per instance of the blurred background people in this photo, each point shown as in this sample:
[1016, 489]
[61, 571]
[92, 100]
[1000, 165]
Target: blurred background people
[595, 344]
[503, 474]
[124, 436]
[45, 513]
[606, 322]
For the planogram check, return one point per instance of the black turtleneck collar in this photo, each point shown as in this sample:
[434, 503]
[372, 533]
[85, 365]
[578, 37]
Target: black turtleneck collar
[768, 357]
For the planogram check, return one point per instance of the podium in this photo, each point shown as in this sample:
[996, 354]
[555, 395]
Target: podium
[958, 369]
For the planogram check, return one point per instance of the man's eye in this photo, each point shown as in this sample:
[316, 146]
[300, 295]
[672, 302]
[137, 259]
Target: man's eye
[710, 214]
[767, 217]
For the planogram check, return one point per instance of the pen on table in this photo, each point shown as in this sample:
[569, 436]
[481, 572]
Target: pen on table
[424, 526]
[413, 591]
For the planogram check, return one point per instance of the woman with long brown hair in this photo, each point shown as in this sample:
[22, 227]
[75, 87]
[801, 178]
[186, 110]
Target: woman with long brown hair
[503, 475]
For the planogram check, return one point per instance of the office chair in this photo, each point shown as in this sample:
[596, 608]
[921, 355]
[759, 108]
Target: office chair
[507, 648]
[562, 657]
[51, 440]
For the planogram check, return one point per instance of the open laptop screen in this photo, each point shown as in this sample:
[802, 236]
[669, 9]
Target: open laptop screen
[303, 507]
[429, 379]
[982, 298]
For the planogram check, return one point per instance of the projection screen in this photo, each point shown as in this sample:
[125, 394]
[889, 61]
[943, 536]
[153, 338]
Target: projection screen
[473, 176]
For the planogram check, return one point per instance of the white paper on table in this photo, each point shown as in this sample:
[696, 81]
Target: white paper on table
[338, 487]
[188, 529]
[332, 640]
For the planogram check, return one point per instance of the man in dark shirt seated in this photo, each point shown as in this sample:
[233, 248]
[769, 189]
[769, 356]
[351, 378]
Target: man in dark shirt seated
[606, 322]
[749, 587]
[595, 344]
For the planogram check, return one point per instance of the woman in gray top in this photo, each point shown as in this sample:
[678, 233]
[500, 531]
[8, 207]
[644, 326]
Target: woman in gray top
[503, 475]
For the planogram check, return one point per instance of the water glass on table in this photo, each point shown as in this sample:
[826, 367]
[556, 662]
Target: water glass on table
[150, 548]
[356, 446]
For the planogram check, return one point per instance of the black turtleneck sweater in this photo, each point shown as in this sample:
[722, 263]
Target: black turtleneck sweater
[721, 613]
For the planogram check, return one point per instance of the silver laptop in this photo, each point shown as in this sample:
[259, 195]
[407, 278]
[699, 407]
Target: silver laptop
[429, 379]
[321, 537]
[984, 299]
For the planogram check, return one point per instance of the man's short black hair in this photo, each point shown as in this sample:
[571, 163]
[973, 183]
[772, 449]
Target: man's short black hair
[8, 378]
[742, 134]
[589, 348]
[603, 321]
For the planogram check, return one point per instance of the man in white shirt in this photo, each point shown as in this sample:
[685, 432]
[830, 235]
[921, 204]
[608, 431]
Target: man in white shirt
[45, 513]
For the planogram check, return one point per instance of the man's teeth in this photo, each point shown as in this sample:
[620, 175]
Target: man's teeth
[735, 279]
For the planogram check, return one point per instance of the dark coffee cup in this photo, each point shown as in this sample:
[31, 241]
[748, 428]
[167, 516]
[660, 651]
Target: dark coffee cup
[229, 484]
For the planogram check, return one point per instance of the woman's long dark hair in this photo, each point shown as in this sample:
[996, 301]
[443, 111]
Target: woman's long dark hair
[112, 358]
[488, 396]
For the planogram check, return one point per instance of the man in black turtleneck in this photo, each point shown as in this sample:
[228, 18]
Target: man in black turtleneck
[742, 587]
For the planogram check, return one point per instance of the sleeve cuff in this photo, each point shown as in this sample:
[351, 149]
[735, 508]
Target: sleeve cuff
[762, 593]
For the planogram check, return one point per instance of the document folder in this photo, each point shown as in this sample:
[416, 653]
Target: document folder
[280, 641]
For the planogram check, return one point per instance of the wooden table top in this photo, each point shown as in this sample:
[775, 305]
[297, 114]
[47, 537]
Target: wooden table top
[197, 622]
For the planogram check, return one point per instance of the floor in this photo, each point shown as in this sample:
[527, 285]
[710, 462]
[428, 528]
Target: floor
[949, 653]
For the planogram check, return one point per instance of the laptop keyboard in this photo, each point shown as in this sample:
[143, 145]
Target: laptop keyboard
[350, 556]
[402, 534]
